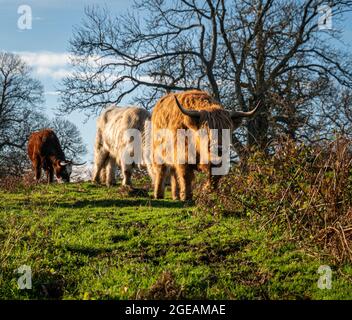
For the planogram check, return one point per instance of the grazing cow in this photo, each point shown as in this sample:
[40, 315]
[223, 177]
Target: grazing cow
[114, 147]
[191, 110]
[44, 150]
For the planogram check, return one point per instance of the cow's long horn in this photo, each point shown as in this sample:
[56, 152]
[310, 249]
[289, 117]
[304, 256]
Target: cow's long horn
[191, 113]
[78, 164]
[242, 114]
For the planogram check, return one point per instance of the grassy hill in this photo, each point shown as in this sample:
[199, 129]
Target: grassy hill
[87, 242]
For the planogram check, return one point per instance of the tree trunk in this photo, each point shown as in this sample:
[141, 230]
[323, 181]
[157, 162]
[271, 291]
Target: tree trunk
[257, 129]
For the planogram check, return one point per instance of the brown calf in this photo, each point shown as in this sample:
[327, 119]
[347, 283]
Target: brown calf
[44, 150]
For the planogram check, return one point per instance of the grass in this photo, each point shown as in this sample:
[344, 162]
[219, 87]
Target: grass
[87, 242]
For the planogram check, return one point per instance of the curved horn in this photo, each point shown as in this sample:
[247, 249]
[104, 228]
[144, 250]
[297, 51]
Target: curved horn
[241, 114]
[78, 164]
[191, 113]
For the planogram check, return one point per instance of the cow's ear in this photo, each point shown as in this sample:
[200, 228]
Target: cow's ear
[63, 163]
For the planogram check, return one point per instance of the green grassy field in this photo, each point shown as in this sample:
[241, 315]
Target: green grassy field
[87, 242]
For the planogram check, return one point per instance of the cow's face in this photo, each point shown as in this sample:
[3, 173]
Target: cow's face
[219, 123]
[219, 144]
[63, 170]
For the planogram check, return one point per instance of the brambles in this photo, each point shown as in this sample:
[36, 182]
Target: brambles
[305, 191]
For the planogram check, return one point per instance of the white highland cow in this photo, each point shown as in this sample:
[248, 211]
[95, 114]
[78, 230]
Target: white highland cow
[121, 141]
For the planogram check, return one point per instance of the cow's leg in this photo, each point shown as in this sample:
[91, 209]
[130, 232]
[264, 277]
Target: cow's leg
[175, 190]
[126, 170]
[110, 172]
[38, 170]
[102, 176]
[159, 181]
[50, 174]
[47, 176]
[185, 176]
[100, 157]
[100, 162]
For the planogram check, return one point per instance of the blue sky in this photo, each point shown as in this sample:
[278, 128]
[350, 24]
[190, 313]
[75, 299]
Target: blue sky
[45, 46]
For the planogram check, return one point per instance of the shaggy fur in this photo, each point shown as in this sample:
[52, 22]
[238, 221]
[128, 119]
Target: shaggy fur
[167, 115]
[110, 143]
[44, 150]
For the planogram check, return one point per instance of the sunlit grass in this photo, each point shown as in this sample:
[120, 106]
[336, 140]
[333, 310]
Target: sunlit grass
[89, 242]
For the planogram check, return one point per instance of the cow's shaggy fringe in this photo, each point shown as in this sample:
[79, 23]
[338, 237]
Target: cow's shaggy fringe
[217, 119]
[305, 191]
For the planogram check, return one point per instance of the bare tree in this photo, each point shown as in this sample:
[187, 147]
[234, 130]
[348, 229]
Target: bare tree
[290, 58]
[20, 97]
[241, 51]
[70, 138]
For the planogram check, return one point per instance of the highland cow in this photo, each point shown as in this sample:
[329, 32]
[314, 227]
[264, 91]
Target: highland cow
[114, 146]
[45, 152]
[191, 111]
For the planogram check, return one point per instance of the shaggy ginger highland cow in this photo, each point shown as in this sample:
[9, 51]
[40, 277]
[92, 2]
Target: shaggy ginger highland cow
[113, 147]
[192, 111]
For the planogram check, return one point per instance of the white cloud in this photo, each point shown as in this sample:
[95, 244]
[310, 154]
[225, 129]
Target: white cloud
[45, 59]
[54, 65]
[52, 93]
[146, 79]
[53, 73]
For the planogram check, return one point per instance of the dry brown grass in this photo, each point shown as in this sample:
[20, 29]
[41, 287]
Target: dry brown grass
[165, 288]
[14, 183]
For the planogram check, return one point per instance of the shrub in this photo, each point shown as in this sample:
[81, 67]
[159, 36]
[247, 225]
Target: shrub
[306, 191]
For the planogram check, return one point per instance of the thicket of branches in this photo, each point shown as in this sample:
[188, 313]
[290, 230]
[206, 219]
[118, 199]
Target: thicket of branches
[242, 52]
